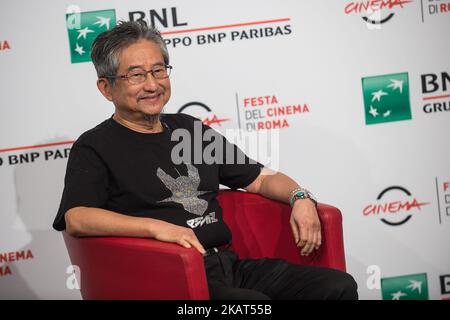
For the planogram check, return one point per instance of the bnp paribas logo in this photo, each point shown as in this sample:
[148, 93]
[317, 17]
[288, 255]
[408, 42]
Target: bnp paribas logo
[386, 98]
[408, 287]
[83, 28]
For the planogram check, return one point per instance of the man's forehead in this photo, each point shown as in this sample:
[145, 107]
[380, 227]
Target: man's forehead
[143, 53]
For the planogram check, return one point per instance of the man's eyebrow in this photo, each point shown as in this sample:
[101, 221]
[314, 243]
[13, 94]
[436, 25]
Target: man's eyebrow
[135, 67]
[142, 67]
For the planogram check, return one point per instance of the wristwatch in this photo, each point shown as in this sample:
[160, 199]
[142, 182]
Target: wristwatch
[302, 193]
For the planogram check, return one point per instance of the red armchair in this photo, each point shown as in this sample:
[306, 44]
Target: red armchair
[135, 268]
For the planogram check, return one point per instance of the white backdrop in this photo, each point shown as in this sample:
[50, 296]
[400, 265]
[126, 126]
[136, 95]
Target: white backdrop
[312, 55]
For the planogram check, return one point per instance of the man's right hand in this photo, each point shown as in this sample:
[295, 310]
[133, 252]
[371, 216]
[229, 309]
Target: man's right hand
[185, 237]
[85, 221]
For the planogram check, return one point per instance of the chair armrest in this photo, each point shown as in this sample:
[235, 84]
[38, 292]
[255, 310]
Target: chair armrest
[261, 228]
[136, 268]
[332, 250]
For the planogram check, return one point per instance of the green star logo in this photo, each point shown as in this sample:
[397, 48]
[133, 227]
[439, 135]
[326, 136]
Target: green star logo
[386, 98]
[409, 287]
[83, 28]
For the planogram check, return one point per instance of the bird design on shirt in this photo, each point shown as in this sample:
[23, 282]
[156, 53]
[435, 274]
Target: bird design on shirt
[185, 190]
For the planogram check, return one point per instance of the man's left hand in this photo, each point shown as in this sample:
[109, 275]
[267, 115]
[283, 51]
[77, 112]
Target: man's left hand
[305, 226]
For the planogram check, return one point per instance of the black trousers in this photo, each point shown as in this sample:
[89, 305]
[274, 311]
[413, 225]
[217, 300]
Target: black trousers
[231, 278]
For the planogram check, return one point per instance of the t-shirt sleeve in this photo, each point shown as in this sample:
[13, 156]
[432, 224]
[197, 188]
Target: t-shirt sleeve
[85, 182]
[237, 170]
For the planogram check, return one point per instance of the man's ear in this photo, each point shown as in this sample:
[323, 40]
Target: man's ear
[105, 88]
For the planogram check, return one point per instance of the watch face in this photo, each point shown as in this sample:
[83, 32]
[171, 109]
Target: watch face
[300, 194]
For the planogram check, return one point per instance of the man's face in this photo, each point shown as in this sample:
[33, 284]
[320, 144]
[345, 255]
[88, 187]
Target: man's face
[149, 97]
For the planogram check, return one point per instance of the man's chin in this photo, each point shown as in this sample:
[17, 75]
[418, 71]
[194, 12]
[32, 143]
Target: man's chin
[151, 110]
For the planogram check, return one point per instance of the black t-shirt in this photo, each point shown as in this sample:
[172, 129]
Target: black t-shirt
[132, 173]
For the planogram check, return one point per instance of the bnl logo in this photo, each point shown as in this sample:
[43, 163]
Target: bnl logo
[386, 98]
[83, 28]
[406, 287]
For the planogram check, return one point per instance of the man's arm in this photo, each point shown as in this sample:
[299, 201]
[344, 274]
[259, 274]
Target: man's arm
[85, 221]
[305, 223]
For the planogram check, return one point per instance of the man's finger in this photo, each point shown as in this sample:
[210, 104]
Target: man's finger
[318, 239]
[184, 243]
[309, 243]
[315, 243]
[303, 236]
[312, 242]
[302, 239]
[197, 245]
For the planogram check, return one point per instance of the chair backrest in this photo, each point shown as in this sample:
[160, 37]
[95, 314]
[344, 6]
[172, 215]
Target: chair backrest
[260, 228]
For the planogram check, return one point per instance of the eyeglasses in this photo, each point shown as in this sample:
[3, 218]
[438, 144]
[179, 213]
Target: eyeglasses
[138, 75]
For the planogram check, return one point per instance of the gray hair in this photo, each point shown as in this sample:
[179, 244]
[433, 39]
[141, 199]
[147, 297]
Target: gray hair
[108, 45]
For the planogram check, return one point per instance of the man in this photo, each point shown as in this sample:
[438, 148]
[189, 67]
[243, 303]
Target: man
[122, 180]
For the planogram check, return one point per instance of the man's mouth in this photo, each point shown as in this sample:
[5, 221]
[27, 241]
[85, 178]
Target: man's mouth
[152, 97]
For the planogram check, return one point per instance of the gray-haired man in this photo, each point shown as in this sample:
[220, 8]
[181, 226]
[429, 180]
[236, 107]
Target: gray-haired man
[122, 181]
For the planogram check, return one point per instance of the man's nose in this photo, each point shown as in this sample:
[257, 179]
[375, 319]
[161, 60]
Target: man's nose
[150, 83]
